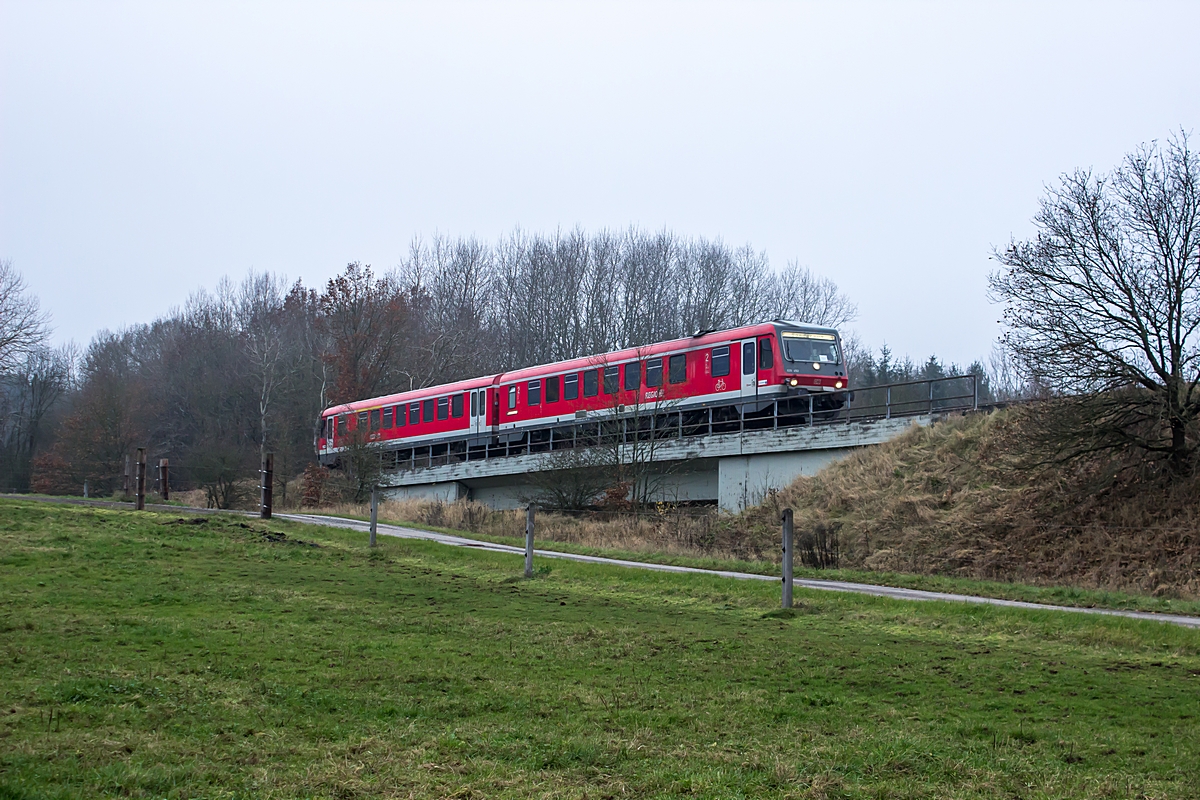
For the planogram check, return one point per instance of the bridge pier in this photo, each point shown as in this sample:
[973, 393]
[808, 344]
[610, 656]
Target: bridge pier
[745, 481]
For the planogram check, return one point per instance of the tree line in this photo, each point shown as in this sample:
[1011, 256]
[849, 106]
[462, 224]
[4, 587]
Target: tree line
[247, 367]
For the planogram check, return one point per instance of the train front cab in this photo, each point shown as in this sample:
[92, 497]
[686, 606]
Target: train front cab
[811, 369]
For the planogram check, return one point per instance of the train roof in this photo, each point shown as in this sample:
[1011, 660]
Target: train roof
[699, 340]
[411, 396]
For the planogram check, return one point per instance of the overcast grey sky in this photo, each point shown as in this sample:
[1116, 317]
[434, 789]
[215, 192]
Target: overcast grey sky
[147, 149]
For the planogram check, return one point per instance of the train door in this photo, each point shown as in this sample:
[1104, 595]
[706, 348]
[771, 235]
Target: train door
[749, 371]
[478, 412]
[766, 361]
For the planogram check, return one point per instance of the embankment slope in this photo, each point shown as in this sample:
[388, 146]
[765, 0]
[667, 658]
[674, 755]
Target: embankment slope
[960, 498]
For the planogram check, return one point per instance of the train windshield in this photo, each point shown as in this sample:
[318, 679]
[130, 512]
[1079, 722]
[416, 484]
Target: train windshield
[815, 347]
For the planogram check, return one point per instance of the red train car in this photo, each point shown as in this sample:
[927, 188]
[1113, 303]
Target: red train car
[725, 374]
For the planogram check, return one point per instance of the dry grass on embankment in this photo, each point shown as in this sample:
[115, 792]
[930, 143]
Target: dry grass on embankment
[958, 498]
[951, 499]
[669, 530]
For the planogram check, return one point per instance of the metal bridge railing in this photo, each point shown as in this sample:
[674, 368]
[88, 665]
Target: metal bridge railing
[651, 425]
[908, 398]
[647, 425]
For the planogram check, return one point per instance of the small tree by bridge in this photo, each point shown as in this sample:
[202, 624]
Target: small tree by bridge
[1103, 306]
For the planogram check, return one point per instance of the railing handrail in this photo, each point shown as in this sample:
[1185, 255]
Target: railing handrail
[462, 450]
[944, 378]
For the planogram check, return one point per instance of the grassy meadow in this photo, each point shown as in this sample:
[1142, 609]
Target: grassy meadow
[165, 656]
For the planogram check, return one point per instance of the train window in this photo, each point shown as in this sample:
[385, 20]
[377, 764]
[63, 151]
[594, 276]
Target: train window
[483, 402]
[591, 383]
[474, 399]
[512, 399]
[571, 386]
[612, 379]
[766, 358]
[677, 368]
[427, 410]
[387, 417]
[414, 413]
[342, 424]
[720, 361]
[443, 407]
[398, 417]
[375, 419]
[456, 405]
[533, 393]
[748, 358]
[362, 421]
[654, 372]
[552, 389]
[633, 376]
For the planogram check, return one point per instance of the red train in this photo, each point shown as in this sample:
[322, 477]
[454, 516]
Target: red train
[771, 367]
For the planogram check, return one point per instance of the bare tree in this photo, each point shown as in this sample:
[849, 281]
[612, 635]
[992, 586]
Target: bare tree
[23, 326]
[27, 396]
[801, 295]
[260, 302]
[364, 318]
[1103, 306]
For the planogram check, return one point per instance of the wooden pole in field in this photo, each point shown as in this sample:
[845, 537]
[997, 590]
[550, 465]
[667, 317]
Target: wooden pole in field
[529, 514]
[164, 483]
[125, 486]
[787, 558]
[374, 512]
[267, 477]
[141, 479]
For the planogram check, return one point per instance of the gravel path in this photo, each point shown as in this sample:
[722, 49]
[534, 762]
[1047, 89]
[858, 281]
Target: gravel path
[831, 586]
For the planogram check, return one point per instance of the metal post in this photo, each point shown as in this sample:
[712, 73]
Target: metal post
[164, 475]
[974, 392]
[374, 512]
[267, 475]
[931, 397]
[787, 558]
[85, 489]
[888, 408]
[141, 479]
[529, 513]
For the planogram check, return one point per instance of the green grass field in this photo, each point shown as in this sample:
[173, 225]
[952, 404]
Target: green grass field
[144, 656]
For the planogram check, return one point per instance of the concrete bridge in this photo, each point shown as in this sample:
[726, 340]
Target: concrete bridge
[735, 468]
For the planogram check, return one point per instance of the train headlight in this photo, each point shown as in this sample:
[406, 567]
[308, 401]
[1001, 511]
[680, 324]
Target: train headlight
[794, 382]
[816, 365]
[837, 385]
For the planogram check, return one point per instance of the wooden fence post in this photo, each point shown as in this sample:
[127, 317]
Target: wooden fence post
[529, 513]
[267, 478]
[141, 479]
[787, 558]
[374, 512]
[164, 483]
[125, 486]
